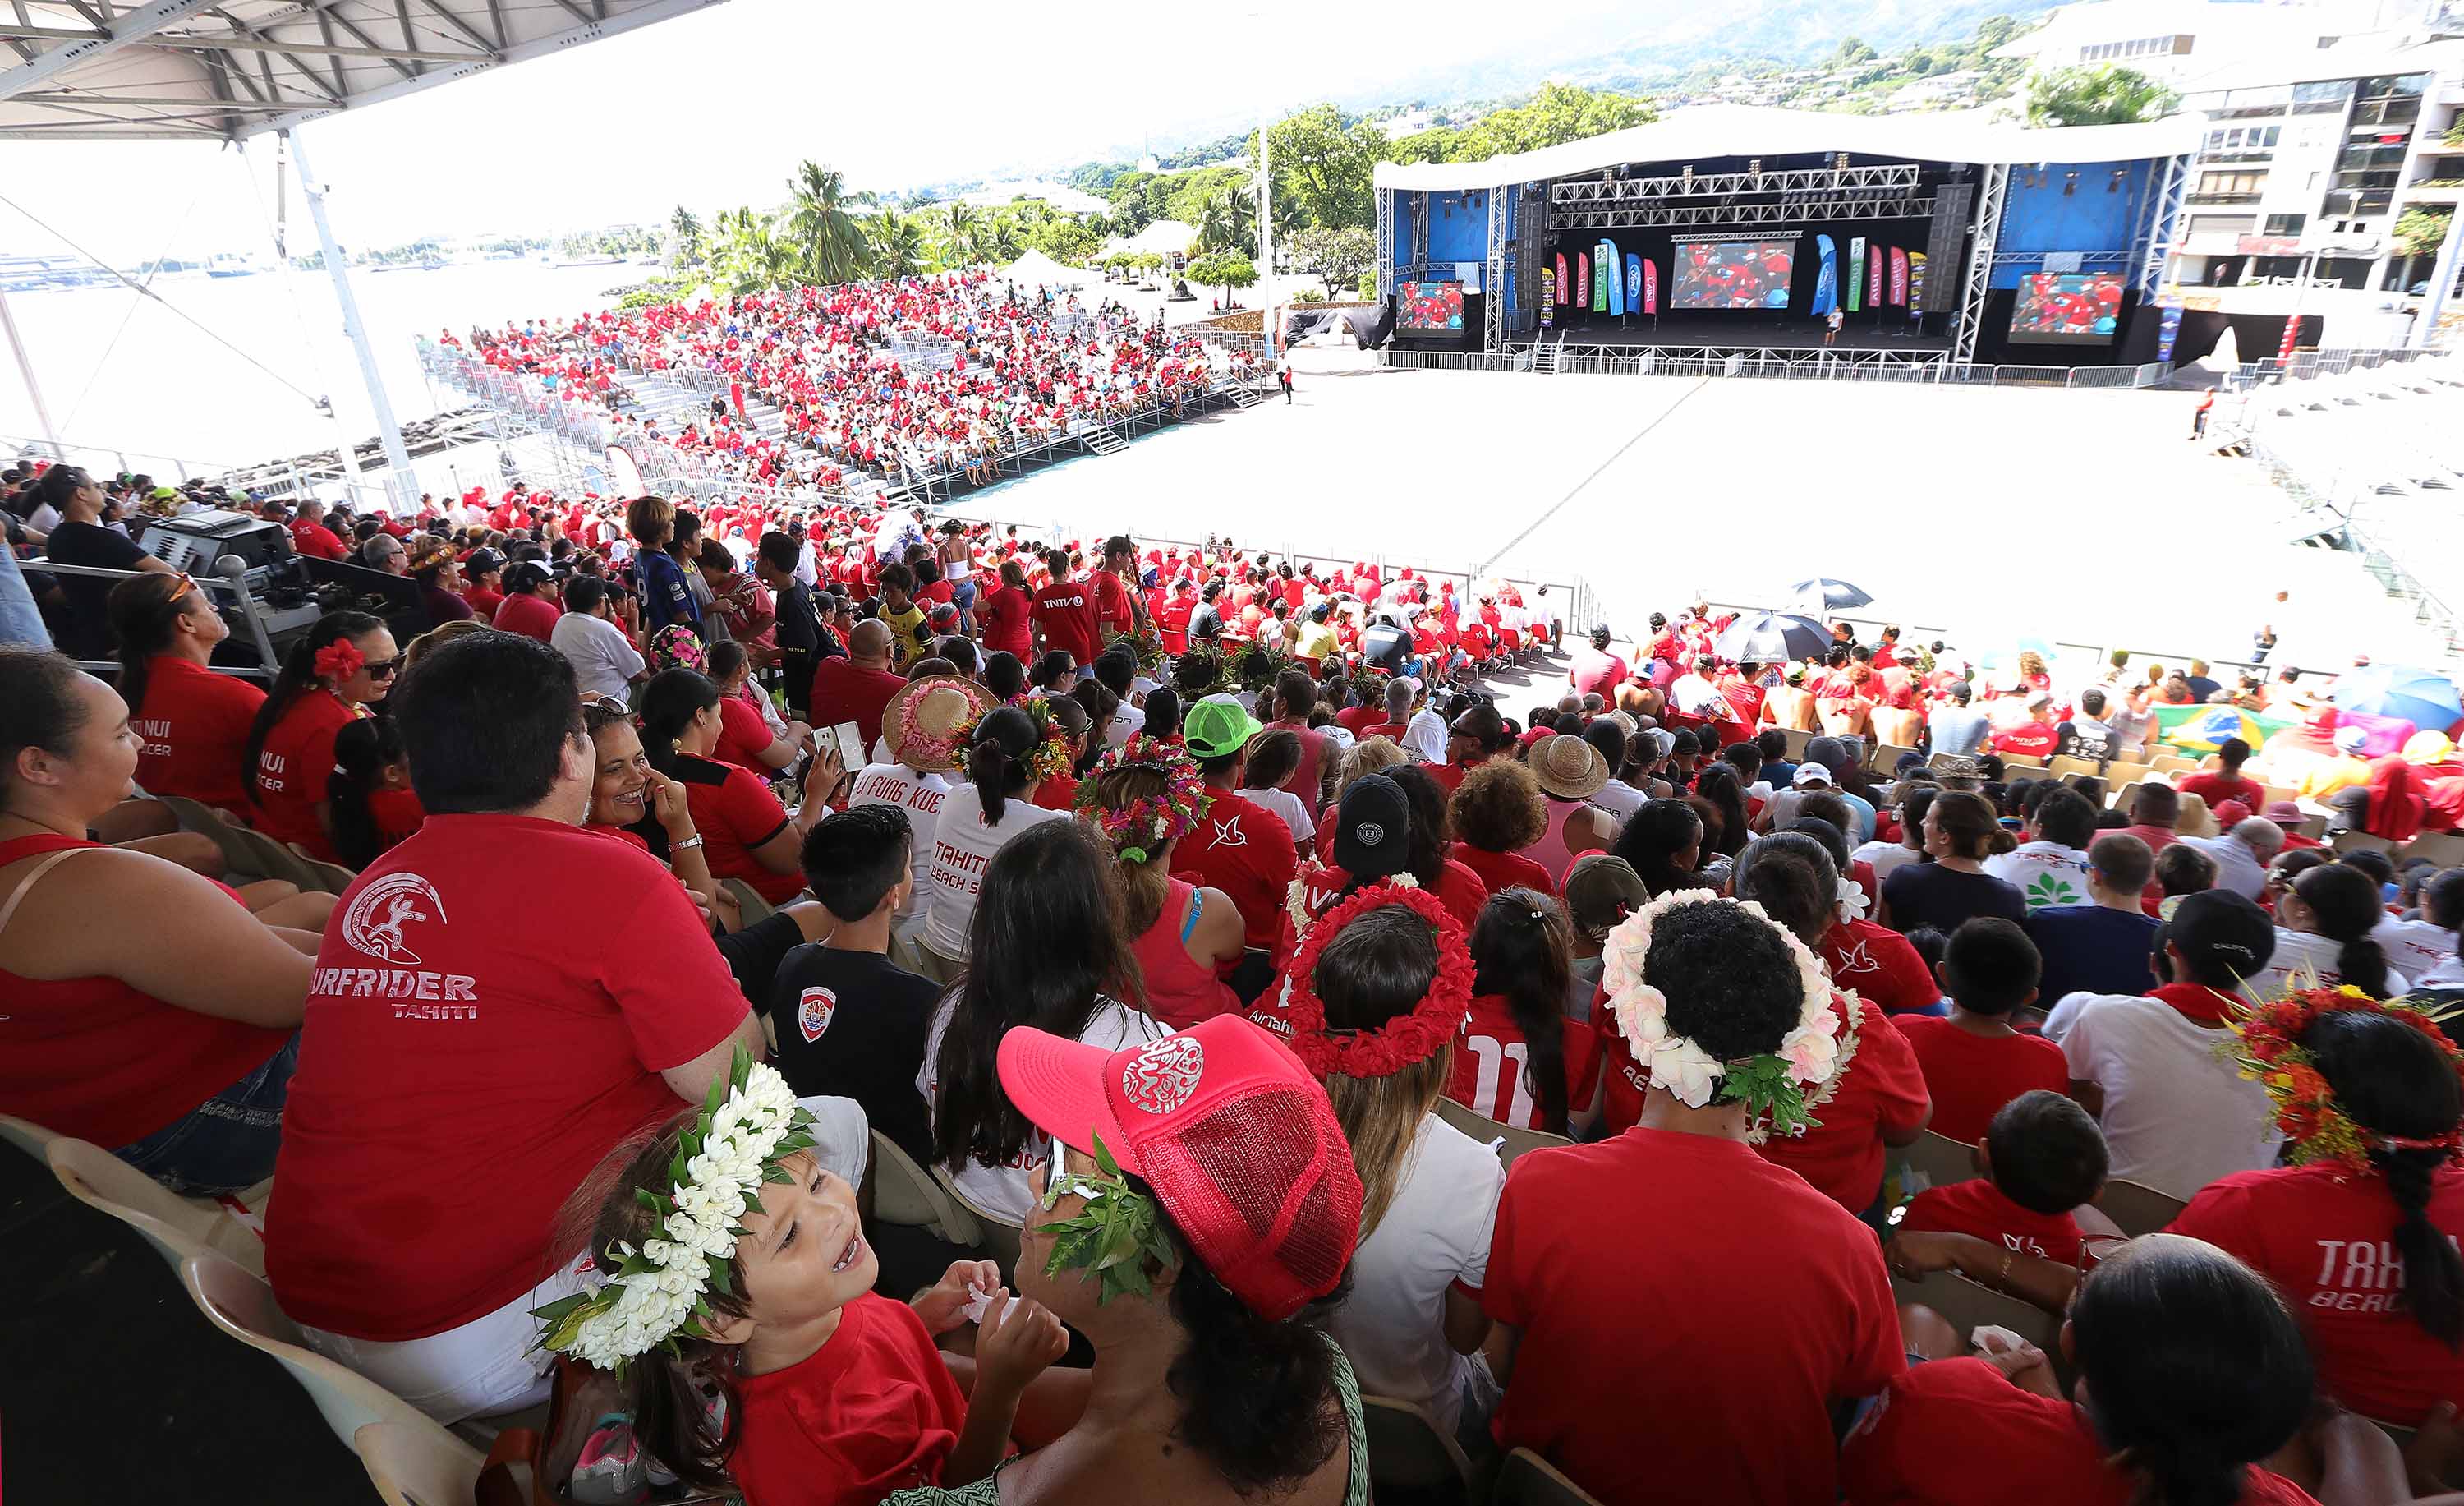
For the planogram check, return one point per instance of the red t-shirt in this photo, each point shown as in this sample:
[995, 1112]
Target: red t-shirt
[735, 813]
[1879, 965]
[292, 768]
[1244, 850]
[873, 1410]
[1971, 1077]
[528, 613]
[397, 815]
[1172, 623]
[1499, 872]
[1458, 888]
[1067, 612]
[483, 602]
[2028, 739]
[479, 1033]
[2324, 1236]
[1955, 1431]
[843, 692]
[1112, 611]
[1882, 1090]
[1305, 781]
[1002, 615]
[312, 538]
[2217, 787]
[742, 735]
[1492, 1072]
[192, 733]
[1732, 1326]
[1978, 1208]
[1359, 721]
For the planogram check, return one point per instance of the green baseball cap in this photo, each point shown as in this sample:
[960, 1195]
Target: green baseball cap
[1217, 725]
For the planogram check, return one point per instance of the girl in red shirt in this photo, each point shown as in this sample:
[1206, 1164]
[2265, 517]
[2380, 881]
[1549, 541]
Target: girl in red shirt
[1518, 1060]
[347, 662]
[1003, 614]
[834, 1395]
[191, 724]
[370, 803]
[748, 834]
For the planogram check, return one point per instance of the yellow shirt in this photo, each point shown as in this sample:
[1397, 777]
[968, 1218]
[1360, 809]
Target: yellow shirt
[906, 629]
[1318, 642]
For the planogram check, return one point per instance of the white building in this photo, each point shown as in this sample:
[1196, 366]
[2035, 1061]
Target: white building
[2177, 41]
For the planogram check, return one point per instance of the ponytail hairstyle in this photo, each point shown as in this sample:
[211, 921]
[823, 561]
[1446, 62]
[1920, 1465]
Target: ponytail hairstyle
[2343, 904]
[664, 1387]
[2195, 1369]
[2392, 1081]
[1144, 885]
[1519, 950]
[1425, 844]
[997, 758]
[1791, 875]
[669, 702]
[361, 753]
[145, 610]
[297, 678]
[1163, 713]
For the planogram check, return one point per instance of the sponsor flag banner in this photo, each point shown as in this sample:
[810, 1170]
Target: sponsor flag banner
[1916, 284]
[1564, 287]
[1899, 277]
[1582, 280]
[2168, 329]
[1872, 276]
[1856, 272]
[1549, 295]
[1633, 283]
[1826, 277]
[1651, 287]
[1610, 264]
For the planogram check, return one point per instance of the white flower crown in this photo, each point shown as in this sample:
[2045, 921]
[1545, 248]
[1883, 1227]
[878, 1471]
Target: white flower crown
[1771, 1085]
[746, 1127]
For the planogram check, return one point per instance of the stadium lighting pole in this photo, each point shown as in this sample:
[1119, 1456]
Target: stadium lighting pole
[1265, 219]
[401, 485]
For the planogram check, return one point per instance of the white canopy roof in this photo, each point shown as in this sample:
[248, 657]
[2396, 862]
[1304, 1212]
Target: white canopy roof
[88, 70]
[1164, 238]
[1037, 268]
[1742, 130]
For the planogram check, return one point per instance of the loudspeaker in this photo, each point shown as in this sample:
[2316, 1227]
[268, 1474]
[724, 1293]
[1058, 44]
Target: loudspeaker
[1945, 268]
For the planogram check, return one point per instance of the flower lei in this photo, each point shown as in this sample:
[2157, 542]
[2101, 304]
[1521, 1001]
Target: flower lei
[1315, 875]
[939, 747]
[1117, 1233]
[2315, 1128]
[1050, 757]
[1152, 822]
[1771, 1085]
[747, 1126]
[1144, 642]
[1400, 1041]
[340, 659]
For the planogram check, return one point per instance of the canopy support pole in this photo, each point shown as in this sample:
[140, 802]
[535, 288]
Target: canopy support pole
[401, 486]
[25, 371]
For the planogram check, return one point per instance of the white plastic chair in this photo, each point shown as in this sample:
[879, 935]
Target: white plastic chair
[412, 1468]
[175, 1226]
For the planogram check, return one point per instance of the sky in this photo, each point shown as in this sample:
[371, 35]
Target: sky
[715, 109]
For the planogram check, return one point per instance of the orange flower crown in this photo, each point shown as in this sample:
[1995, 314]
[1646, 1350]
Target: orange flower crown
[2315, 1128]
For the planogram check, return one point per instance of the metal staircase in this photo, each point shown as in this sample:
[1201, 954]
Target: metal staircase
[1103, 441]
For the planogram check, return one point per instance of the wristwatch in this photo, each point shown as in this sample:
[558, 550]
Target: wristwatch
[691, 841]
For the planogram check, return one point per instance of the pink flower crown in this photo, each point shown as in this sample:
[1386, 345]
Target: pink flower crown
[1152, 822]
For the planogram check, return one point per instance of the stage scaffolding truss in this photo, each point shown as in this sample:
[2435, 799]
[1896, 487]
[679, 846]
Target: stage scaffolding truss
[1829, 182]
[1496, 285]
[1983, 235]
[1910, 207]
[2159, 213]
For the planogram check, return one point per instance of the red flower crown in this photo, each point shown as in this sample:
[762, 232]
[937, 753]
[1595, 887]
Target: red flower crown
[2314, 1125]
[1403, 1040]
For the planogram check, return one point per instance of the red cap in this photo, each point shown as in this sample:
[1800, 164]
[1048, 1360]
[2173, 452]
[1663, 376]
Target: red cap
[1224, 1123]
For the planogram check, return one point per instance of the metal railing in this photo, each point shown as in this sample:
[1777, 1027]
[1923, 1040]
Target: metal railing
[1784, 363]
[2304, 364]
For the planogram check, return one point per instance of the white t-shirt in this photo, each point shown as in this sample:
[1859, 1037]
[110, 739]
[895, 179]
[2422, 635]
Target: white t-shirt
[1435, 1233]
[2176, 1115]
[922, 795]
[2237, 868]
[1127, 721]
[1293, 809]
[1885, 856]
[2045, 873]
[962, 849]
[1007, 1192]
[2299, 950]
[1619, 799]
[603, 660]
[2416, 946]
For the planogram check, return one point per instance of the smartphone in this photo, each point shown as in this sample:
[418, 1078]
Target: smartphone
[851, 754]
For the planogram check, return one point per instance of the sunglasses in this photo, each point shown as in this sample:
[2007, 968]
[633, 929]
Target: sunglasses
[383, 669]
[186, 586]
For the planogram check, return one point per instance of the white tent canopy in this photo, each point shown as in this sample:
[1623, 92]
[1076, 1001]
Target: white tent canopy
[1035, 269]
[221, 70]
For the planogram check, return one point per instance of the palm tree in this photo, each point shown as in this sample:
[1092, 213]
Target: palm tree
[684, 238]
[825, 236]
[998, 241]
[750, 256]
[954, 227]
[1225, 219]
[897, 244]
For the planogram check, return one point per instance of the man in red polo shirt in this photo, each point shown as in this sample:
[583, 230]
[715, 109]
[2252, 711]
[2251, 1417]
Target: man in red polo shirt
[1240, 847]
[1066, 611]
[308, 536]
[856, 688]
[1117, 607]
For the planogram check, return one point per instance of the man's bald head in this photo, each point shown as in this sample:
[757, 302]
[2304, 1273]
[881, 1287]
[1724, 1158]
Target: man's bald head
[869, 642]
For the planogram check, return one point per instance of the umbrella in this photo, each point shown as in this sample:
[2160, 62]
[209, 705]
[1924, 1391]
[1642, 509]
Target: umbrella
[1828, 595]
[2205, 730]
[1770, 637]
[2424, 697]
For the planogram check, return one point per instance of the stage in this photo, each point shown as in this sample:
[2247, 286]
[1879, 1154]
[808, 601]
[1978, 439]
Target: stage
[1746, 330]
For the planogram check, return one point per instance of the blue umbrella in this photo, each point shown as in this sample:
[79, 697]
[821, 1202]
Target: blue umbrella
[2424, 697]
[1770, 637]
[1828, 595]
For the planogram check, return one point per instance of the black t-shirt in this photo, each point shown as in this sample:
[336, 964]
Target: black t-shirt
[797, 628]
[853, 1025]
[1928, 893]
[1387, 647]
[86, 634]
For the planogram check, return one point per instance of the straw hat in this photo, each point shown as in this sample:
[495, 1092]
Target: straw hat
[1567, 767]
[926, 723]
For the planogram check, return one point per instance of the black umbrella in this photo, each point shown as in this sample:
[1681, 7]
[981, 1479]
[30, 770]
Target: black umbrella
[1773, 637]
[1828, 595]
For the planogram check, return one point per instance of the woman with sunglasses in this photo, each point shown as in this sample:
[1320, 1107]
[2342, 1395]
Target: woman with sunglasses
[329, 678]
[191, 723]
[80, 538]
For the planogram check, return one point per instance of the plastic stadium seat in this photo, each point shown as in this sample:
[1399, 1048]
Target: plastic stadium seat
[1412, 1462]
[1941, 1158]
[904, 1194]
[242, 1306]
[999, 1236]
[330, 878]
[2137, 1209]
[1969, 1305]
[2445, 849]
[1796, 741]
[1489, 1132]
[2350, 841]
[176, 1226]
[1526, 1479]
[749, 899]
[27, 1136]
[412, 1468]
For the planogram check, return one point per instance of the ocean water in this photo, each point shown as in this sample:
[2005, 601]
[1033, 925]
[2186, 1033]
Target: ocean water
[126, 376]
